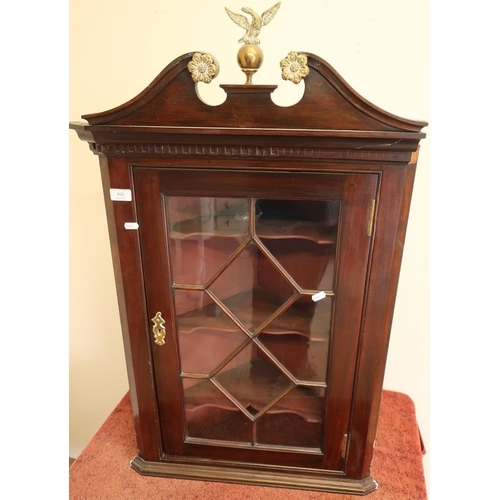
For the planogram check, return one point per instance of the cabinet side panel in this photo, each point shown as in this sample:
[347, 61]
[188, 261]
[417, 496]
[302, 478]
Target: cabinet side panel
[400, 238]
[390, 223]
[394, 279]
[129, 286]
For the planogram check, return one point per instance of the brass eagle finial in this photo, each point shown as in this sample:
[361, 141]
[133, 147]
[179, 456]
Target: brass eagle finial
[253, 28]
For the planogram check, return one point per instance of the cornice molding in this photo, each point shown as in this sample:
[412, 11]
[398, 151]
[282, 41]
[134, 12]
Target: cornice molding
[211, 151]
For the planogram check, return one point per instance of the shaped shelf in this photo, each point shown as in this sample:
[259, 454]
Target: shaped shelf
[253, 307]
[225, 225]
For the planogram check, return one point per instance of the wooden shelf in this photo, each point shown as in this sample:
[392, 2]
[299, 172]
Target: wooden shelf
[255, 384]
[253, 307]
[225, 225]
[295, 229]
[219, 225]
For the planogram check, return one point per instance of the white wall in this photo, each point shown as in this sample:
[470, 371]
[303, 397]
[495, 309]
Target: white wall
[117, 47]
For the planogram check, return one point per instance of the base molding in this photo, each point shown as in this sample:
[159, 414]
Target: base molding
[249, 475]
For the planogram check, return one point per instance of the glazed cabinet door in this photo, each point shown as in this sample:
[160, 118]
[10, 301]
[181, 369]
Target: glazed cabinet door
[254, 288]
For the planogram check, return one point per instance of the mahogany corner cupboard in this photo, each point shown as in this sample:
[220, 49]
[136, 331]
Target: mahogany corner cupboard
[256, 251]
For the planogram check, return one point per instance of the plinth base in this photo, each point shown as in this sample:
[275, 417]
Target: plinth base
[252, 475]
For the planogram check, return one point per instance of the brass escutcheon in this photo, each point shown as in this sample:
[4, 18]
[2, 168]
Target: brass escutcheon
[159, 329]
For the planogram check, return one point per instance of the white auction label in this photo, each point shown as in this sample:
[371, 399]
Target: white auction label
[318, 296]
[120, 194]
[131, 225]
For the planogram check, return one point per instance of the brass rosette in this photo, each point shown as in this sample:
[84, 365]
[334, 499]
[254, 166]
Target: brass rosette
[203, 67]
[294, 67]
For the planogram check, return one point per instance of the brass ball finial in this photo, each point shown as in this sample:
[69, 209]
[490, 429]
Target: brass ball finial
[250, 58]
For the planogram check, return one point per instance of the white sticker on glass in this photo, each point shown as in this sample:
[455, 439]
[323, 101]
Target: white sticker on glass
[318, 296]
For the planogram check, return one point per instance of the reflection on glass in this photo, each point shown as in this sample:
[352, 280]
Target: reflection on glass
[253, 344]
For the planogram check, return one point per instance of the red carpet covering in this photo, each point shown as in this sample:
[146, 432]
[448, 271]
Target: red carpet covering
[102, 470]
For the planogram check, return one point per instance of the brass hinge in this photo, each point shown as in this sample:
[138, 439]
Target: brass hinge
[369, 229]
[344, 446]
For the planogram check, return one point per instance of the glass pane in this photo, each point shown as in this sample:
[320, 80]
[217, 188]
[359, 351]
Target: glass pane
[302, 236]
[295, 420]
[252, 288]
[206, 334]
[253, 348]
[253, 379]
[211, 415]
[203, 233]
[299, 339]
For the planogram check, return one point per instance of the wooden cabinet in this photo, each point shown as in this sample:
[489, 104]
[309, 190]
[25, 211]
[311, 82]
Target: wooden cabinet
[256, 251]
